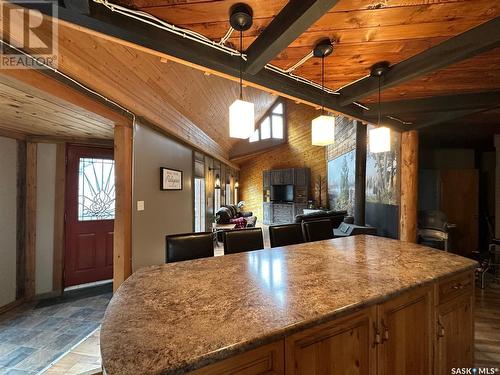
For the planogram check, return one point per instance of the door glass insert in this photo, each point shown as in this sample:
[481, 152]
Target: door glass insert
[96, 189]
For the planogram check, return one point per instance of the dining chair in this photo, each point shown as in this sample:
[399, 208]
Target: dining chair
[189, 246]
[240, 240]
[286, 234]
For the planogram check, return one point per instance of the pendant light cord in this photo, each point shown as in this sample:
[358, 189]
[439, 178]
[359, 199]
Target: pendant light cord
[378, 123]
[241, 60]
[323, 85]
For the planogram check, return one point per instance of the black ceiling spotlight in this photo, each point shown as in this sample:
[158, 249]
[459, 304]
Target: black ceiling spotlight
[323, 48]
[379, 69]
[241, 17]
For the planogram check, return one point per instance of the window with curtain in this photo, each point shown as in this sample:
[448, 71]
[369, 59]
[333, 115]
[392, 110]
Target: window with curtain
[199, 193]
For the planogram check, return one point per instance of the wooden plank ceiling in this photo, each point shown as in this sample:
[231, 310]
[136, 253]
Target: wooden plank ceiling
[365, 32]
[33, 112]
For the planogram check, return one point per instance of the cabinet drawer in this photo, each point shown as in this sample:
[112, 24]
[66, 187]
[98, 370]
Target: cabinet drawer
[455, 287]
[268, 359]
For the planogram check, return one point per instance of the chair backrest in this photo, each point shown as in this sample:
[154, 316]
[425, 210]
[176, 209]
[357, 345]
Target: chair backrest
[189, 246]
[240, 240]
[286, 234]
[318, 230]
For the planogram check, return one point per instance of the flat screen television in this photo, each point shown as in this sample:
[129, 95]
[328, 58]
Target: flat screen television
[282, 193]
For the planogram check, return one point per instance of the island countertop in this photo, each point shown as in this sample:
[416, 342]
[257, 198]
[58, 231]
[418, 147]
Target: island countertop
[181, 316]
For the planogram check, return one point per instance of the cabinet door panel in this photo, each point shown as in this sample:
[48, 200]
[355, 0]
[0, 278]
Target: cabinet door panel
[344, 346]
[405, 325]
[288, 177]
[266, 179]
[455, 335]
[301, 177]
[277, 177]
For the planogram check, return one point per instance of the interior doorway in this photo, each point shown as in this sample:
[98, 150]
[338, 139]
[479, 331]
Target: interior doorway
[89, 215]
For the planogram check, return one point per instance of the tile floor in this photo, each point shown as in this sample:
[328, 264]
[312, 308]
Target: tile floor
[32, 338]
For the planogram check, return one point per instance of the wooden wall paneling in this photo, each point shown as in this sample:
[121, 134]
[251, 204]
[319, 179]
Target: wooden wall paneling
[8, 132]
[122, 238]
[59, 218]
[21, 220]
[409, 186]
[30, 254]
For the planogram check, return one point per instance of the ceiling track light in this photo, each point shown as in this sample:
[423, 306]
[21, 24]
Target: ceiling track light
[380, 137]
[323, 126]
[241, 113]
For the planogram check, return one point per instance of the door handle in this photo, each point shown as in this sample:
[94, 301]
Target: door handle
[441, 330]
[385, 334]
[377, 340]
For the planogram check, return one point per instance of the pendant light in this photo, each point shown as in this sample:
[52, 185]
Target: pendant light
[323, 126]
[379, 137]
[241, 113]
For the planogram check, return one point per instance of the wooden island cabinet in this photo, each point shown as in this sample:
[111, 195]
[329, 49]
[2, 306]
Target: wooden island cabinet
[423, 331]
[358, 305]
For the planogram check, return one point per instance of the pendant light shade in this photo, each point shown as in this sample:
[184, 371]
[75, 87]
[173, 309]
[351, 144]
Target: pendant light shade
[380, 139]
[323, 126]
[323, 130]
[241, 113]
[241, 119]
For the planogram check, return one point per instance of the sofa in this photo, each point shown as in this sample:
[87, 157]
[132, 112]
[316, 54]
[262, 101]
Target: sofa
[230, 214]
[336, 217]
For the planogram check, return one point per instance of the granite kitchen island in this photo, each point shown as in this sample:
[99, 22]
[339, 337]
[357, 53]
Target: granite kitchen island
[354, 305]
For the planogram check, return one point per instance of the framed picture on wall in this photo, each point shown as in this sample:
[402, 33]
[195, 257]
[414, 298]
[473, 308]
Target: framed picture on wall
[170, 179]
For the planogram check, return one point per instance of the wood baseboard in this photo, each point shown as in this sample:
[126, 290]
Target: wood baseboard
[11, 305]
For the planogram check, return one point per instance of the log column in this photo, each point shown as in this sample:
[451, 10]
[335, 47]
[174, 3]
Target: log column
[122, 239]
[360, 181]
[409, 186]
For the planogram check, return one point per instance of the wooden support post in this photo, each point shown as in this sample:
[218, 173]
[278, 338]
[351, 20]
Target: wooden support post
[360, 180]
[30, 244]
[409, 186]
[122, 240]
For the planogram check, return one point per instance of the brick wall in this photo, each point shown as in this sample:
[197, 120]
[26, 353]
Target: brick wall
[297, 153]
[345, 138]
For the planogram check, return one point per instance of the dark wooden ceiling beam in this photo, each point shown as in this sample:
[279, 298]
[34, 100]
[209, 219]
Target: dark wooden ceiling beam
[437, 104]
[132, 32]
[437, 118]
[463, 46]
[293, 20]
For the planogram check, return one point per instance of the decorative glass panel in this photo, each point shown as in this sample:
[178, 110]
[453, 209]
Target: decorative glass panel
[255, 136]
[199, 204]
[278, 109]
[96, 189]
[265, 128]
[278, 127]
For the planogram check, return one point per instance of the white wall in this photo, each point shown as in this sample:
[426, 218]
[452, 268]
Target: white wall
[45, 200]
[8, 219]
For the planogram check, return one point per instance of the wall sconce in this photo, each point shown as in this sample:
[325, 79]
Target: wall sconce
[236, 185]
[217, 181]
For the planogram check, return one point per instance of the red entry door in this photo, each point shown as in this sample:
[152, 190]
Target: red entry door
[90, 213]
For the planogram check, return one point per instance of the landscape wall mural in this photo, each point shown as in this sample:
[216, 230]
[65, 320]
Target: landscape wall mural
[382, 184]
[341, 173]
